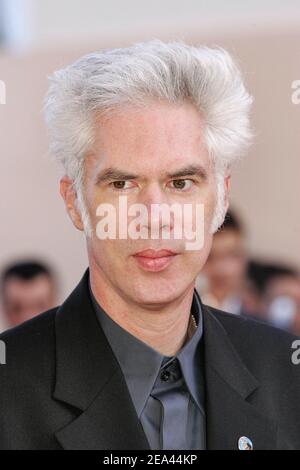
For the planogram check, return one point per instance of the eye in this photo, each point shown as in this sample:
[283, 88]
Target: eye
[182, 184]
[122, 184]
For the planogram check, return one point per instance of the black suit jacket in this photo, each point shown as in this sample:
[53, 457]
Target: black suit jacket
[62, 387]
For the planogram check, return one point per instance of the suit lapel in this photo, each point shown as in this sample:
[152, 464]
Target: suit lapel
[109, 423]
[229, 386]
[89, 378]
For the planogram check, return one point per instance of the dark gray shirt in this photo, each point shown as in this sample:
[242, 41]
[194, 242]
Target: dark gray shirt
[167, 392]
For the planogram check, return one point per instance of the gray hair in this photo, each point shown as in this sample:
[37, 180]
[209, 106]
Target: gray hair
[174, 72]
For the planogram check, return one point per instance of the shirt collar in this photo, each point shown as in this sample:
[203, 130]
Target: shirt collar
[141, 364]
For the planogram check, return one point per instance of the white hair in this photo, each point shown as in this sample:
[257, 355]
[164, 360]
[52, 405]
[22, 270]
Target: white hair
[174, 72]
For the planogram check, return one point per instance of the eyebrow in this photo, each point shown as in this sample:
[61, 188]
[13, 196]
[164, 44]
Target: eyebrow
[114, 174]
[190, 170]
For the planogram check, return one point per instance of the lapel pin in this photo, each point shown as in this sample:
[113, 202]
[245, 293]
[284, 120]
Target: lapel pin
[245, 443]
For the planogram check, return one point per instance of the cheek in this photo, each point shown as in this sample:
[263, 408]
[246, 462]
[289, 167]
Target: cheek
[93, 202]
[207, 215]
[197, 258]
[110, 252]
[211, 201]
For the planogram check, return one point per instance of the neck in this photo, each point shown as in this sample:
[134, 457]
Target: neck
[165, 328]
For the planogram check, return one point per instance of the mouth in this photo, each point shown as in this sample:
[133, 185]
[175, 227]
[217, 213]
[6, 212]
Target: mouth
[155, 260]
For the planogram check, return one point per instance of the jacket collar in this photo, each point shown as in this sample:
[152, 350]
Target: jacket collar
[221, 356]
[89, 378]
[230, 389]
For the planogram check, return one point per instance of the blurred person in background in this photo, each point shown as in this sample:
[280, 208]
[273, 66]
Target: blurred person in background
[281, 299]
[272, 294]
[27, 289]
[223, 278]
[258, 273]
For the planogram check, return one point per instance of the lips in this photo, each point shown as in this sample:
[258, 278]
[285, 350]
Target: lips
[155, 253]
[155, 260]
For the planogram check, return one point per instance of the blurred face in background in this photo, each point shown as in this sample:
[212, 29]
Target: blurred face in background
[225, 268]
[281, 302]
[148, 144]
[24, 299]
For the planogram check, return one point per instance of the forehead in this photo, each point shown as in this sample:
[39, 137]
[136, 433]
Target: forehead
[150, 138]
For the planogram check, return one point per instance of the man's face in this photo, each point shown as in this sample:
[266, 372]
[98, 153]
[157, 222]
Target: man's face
[136, 154]
[23, 299]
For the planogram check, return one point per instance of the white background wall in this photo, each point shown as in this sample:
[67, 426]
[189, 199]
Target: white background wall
[48, 23]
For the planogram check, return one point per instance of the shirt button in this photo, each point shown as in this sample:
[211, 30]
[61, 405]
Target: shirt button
[165, 375]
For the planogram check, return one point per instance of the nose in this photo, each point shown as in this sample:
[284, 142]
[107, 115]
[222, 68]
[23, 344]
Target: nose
[157, 203]
[153, 193]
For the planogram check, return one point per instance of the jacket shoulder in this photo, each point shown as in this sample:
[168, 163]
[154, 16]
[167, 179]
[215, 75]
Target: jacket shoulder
[242, 324]
[30, 327]
[263, 347]
[30, 345]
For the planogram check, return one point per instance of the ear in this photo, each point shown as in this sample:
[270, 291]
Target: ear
[69, 195]
[227, 181]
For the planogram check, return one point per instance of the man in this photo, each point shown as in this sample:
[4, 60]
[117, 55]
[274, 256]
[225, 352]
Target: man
[133, 359]
[27, 289]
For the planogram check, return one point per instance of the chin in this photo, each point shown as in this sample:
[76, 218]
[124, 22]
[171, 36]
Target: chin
[155, 301]
[158, 292]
